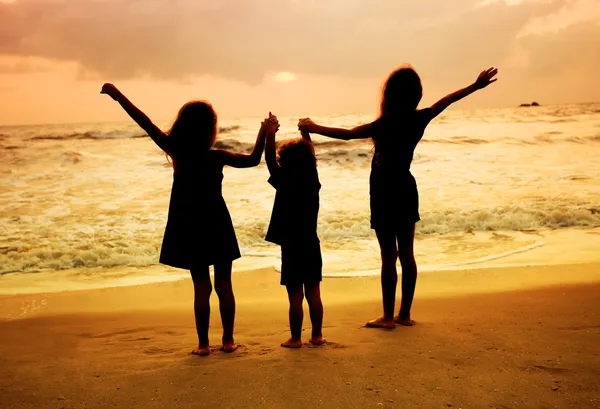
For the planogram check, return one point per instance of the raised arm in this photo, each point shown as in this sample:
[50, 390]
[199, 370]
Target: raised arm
[483, 80]
[270, 155]
[240, 160]
[305, 135]
[359, 132]
[157, 135]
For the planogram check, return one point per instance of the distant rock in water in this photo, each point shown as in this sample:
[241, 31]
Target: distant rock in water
[533, 104]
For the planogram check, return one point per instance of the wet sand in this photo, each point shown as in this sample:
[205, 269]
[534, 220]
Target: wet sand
[498, 337]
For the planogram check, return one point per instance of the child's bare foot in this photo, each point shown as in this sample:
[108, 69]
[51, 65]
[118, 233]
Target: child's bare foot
[381, 322]
[292, 343]
[229, 346]
[202, 350]
[406, 322]
[318, 340]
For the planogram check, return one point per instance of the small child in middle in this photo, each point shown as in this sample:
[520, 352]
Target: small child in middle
[293, 226]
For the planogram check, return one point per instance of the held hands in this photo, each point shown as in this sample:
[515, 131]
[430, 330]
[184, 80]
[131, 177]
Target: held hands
[306, 124]
[270, 124]
[110, 90]
[486, 78]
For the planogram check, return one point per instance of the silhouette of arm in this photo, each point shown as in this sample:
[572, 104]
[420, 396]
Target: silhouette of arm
[153, 131]
[240, 160]
[485, 78]
[306, 135]
[270, 155]
[359, 132]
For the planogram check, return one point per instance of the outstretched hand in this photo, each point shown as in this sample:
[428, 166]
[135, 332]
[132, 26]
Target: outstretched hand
[306, 124]
[486, 78]
[110, 90]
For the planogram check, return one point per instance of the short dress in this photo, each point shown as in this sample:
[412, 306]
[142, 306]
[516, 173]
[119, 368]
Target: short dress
[293, 226]
[199, 230]
[394, 197]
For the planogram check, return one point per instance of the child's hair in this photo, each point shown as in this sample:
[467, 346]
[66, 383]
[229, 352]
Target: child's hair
[194, 129]
[296, 153]
[402, 92]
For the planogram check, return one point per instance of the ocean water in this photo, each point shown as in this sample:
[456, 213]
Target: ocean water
[88, 202]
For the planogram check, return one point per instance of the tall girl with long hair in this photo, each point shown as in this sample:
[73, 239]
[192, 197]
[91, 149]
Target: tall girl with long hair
[199, 230]
[394, 198]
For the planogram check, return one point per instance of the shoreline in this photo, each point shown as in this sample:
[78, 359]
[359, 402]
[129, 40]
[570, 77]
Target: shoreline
[566, 246]
[176, 293]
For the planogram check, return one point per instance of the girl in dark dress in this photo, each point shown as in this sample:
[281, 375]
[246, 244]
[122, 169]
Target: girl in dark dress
[293, 226]
[393, 189]
[199, 230]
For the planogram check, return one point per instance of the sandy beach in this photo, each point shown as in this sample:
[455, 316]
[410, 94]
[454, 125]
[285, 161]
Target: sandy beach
[510, 337]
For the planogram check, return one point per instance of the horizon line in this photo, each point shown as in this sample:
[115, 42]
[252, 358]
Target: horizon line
[237, 118]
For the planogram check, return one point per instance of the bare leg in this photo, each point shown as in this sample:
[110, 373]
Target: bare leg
[296, 315]
[406, 238]
[389, 279]
[202, 291]
[315, 307]
[224, 291]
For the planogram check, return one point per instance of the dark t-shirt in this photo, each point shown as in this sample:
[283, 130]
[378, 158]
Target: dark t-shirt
[296, 207]
[396, 140]
[394, 198]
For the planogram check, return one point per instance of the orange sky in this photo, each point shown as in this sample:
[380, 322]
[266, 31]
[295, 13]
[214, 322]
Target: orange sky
[294, 57]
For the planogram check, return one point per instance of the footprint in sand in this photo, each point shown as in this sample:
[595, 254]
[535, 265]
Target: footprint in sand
[265, 351]
[555, 370]
[327, 344]
[171, 333]
[159, 351]
[112, 334]
[580, 328]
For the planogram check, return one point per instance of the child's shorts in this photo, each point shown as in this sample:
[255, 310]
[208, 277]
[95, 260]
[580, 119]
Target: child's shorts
[301, 263]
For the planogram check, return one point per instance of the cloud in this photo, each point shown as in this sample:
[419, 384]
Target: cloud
[242, 40]
[572, 12]
[21, 67]
[572, 50]
[239, 39]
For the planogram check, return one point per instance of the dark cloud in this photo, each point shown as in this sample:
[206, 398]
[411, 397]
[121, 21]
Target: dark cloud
[241, 39]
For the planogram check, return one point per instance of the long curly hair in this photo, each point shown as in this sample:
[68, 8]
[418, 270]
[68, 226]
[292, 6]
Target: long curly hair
[296, 154]
[194, 129]
[402, 92]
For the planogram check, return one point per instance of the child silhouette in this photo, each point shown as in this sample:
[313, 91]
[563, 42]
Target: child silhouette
[294, 227]
[199, 230]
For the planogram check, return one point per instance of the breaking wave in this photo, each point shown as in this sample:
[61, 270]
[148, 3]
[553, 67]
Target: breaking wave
[136, 242]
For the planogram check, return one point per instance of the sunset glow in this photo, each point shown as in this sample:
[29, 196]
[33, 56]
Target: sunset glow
[285, 76]
[51, 67]
[299, 203]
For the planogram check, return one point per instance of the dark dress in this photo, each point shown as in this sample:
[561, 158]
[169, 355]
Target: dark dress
[199, 230]
[393, 190]
[293, 225]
